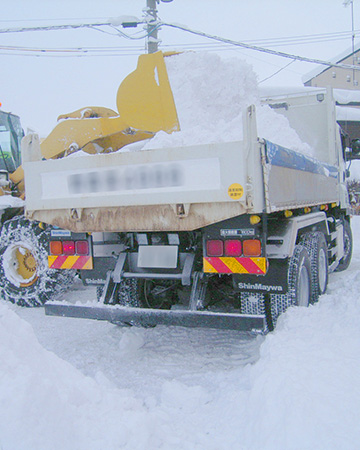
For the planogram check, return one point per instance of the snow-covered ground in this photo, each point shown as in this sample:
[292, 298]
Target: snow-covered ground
[80, 384]
[77, 384]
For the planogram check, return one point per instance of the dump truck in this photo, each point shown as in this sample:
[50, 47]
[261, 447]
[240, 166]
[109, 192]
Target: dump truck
[223, 235]
[25, 277]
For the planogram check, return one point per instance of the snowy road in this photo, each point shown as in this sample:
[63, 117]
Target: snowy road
[142, 359]
[106, 387]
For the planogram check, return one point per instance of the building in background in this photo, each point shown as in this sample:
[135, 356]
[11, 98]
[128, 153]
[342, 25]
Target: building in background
[346, 85]
[346, 88]
[337, 77]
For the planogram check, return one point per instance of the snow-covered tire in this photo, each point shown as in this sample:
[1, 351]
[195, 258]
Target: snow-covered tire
[348, 247]
[25, 278]
[315, 244]
[128, 293]
[299, 277]
[252, 303]
[299, 286]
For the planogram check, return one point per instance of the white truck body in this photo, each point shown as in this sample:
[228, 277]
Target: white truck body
[190, 187]
[261, 223]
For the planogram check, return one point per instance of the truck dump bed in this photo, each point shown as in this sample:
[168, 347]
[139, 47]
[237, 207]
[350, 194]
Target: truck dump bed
[189, 187]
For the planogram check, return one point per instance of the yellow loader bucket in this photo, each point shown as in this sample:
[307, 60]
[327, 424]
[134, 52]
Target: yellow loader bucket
[145, 106]
[144, 98]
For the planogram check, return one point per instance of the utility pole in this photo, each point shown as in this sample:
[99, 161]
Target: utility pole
[152, 42]
[151, 15]
[351, 3]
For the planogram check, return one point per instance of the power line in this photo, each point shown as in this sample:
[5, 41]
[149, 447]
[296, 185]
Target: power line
[261, 49]
[289, 40]
[100, 49]
[52, 19]
[278, 71]
[158, 24]
[53, 27]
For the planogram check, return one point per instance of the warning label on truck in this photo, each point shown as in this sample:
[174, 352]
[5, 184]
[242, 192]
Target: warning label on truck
[235, 191]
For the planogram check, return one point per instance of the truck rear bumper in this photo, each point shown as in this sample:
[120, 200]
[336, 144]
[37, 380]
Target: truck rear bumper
[151, 317]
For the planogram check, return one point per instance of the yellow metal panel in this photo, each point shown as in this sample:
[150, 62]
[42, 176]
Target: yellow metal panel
[146, 106]
[79, 132]
[89, 112]
[145, 100]
[17, 178]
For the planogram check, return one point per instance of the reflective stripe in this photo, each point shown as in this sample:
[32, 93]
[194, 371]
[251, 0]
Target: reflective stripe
[70, 262]
[235, 265]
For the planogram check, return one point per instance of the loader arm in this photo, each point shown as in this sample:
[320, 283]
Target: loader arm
[17, 178]
[145, 106]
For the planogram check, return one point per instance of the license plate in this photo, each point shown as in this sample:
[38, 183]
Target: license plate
[158, 256]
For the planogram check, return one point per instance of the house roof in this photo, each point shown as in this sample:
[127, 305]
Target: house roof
[337, 59]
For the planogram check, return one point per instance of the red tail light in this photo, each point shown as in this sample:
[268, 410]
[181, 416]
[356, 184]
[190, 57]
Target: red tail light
[232, 247]
[69, 247]
[215, 248]
[56, 248]
[252, 247]
[82, 248]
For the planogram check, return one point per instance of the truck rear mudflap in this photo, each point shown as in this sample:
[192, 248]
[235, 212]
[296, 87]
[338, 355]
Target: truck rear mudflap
[150, 317]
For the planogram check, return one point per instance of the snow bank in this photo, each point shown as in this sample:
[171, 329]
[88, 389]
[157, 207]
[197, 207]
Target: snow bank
[303, 393]
[305, 388]
[45, 403]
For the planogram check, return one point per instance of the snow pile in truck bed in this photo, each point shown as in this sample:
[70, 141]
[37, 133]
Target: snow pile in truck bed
[210, 95]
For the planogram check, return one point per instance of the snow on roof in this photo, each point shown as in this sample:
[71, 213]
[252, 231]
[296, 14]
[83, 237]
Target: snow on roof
[346, 96]
[319, 69]
[347, 113]
[268, 91]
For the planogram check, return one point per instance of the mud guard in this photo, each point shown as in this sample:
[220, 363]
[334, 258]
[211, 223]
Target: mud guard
[151, 317]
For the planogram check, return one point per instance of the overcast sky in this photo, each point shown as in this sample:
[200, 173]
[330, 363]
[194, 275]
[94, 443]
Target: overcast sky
[39, 88]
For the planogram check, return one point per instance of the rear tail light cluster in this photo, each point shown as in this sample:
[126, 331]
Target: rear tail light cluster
[79, 248]
[233, 247]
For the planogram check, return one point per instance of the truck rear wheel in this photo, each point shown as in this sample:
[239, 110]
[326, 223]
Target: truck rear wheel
[25, 278]
[299, 286]
[315, 244]
[348, 247]
[128, 293]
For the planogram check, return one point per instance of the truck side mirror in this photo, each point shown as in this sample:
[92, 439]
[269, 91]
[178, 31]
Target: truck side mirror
[355, 146]
[354, 151]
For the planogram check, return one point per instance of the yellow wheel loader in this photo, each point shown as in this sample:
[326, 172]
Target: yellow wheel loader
[25, 277]
[145, 106]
